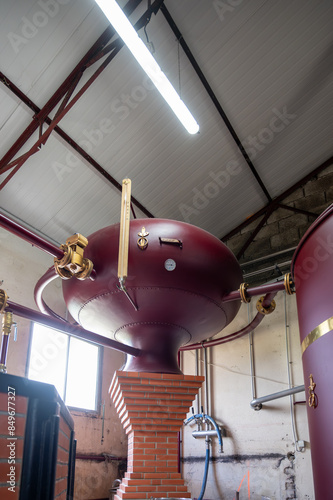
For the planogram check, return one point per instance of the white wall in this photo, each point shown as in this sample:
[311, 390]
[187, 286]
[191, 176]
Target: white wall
[256, 442]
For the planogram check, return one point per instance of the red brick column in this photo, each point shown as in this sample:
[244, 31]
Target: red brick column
[152, 407]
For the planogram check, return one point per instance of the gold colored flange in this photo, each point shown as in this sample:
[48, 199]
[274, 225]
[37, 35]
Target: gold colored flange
[73, 263]
[243, 294]
[63, 272]
[289, 285]
[265, 310]
[3, 300]
[87, 269]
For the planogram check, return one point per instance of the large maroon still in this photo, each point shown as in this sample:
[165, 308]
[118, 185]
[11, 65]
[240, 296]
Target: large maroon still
[177, 277]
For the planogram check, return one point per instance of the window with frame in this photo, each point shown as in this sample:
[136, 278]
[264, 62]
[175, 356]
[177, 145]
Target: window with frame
[72, 365]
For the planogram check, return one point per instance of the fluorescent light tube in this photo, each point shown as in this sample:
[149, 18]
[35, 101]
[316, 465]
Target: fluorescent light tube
[141, 53]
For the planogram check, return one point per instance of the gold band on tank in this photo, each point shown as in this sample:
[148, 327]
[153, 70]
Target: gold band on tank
[324, 327]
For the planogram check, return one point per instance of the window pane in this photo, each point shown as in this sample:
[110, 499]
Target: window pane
[82, 374]
[48, 357]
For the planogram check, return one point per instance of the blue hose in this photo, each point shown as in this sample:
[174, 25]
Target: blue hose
[212, 421]
[204, 481]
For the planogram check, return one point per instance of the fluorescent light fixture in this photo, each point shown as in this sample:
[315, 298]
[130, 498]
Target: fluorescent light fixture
[141, 53]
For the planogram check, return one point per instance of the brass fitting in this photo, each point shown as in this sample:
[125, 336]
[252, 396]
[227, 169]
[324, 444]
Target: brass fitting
[265, 310]
[289, 284]
[7, 323]
[3, 300]
[243, 294]
[73, 263]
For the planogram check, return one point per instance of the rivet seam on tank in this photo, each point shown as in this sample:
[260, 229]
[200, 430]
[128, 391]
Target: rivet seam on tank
[142, 241]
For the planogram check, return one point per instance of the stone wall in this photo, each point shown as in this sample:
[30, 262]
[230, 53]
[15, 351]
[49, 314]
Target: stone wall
[284, 228]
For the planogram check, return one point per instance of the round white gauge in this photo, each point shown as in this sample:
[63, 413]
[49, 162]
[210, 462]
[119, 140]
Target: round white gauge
[170, 265]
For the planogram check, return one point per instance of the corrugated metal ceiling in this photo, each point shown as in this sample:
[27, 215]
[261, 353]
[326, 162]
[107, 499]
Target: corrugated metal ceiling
[268, 63]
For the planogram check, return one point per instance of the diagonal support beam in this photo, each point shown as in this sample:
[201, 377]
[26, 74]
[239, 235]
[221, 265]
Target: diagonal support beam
[274, 204]
[213, 97]
[64, 87]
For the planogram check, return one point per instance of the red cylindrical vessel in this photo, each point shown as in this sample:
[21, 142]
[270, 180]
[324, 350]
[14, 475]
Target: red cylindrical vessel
[312, 270]
[177, 282]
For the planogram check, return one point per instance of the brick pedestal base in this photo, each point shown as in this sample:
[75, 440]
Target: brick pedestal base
[152, 407]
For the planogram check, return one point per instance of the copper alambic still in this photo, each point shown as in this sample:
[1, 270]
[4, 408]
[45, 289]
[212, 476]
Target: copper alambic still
[161, 290]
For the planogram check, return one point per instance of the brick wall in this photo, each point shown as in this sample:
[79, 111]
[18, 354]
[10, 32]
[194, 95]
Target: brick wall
[152, 407]
[284, 228]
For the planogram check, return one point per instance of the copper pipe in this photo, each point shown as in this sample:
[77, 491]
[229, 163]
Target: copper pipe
[35, 240]
[41, 284]
[240, 333]
[30, 237]
[73, 330]
[255, 290]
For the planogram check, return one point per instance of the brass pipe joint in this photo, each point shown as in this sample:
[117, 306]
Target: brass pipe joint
[289, 285]
[7, 323]
[73, 262]
[243, 293]
[3, 300]
[265, 309]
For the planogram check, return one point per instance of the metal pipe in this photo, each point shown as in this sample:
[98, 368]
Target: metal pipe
[199, 434]
[197, 373]
[252, 366]
[255, 290]
[47, 278]
[73, 330]
[30, 237]
[37, 241]
[206, 382]
[266, 269]
[292, 408]
[276, 395]
[204, 417]
[266, 257]
[240, 333]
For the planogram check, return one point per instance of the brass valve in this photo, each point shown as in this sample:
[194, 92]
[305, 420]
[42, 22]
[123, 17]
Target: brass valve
[73, 263]
[7, 323]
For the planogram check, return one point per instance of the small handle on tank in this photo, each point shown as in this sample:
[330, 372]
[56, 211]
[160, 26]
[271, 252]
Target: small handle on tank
[171, 241]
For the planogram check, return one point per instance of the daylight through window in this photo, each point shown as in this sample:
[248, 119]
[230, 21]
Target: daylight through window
[70, 364]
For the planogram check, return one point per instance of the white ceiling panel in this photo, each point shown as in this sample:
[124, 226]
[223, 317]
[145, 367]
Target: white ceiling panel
[268, 63]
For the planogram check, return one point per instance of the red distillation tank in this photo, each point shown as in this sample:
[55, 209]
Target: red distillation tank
[177, 277]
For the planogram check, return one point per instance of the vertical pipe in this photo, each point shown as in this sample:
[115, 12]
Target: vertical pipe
[7, 321]
[291, 397]
[206, 382]
[252, 367]
[3, 353]
[197, 373]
